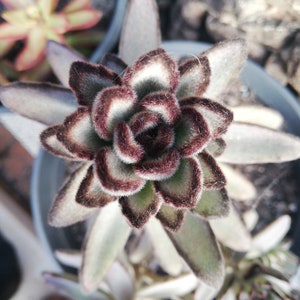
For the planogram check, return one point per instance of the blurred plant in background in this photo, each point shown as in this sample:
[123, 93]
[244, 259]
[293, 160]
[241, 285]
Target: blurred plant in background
[36, 22]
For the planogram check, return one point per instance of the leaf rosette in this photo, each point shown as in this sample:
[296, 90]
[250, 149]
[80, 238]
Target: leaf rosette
[142, 133]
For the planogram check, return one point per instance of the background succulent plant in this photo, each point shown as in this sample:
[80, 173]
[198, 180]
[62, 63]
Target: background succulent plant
[38, 21]
[139, 132]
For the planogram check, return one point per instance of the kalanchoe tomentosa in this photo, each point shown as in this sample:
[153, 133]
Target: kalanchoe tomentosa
[143, 131]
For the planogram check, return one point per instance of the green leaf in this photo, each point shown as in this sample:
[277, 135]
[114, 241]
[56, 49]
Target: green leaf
[164, 249]
[65, 210]
[213, 204]
[107, 237]
[231, 231]
[196, 243]
[44, 102]
[141, 30]
[171, 288]
[252, 144]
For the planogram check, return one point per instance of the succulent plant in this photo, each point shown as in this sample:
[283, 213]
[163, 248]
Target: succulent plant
[147, 137]
[38, 21]
[265, 271]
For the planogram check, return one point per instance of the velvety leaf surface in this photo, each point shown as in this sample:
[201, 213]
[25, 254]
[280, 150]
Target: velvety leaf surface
[184, 188]
[111, 106]
[114, 63]
[141, 30]
[194, 77]
[216, 115]
[65, 210]
[226, 60]
[115, 177]
[170, 217]
[250, 144]
[213, 178]
[259, 115]
[90, 193]
[120, 281]
[192, 133]
[51, 143]
[170, 288]
[104, 242]
[213, 204]
[139, 207]
[69, 285]
[270, 236]
[61, 57]
[197, 245]
[231, 231]
[77, 134]
[164, 250]
[45, 103]
[154, 71]
[238, 186]
[87, 80]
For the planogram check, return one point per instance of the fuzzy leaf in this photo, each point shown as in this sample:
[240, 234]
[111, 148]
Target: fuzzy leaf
[238, 186]
[194, 77]
[226, 60]
[65, 210]
[250, 144]
[196, 243]
[217, 116]
[170, 217]
[125, 145]
[155, 71]
[164, 250]
[45, 103]
[90, 193]
[78, 135]
[107, 237]
[165, 104]
[171, 288]
[112, 105]
[51, 143]
[159, 168]
[213, 178]
[61, 58]
[87, 80]
[141, 30]
[270, 236]
[120, 281]
[231, 231]
[259, 115]
[116, 178]
[213, 204]
[69, 286]
[113, 63]
[139, 207]
[192, 134]
[184, 188]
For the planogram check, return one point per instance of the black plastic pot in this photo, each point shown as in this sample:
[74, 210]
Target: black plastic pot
[48, 170]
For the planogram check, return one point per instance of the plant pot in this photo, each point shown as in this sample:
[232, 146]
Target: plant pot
[49, 167]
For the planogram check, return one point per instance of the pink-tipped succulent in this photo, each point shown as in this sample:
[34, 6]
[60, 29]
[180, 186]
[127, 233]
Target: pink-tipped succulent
[37, 21]
[144, 136]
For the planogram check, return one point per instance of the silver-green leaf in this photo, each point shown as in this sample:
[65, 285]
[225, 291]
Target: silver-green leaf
[107, 237]
[141, 30]
[196, 243]
[252, 144]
